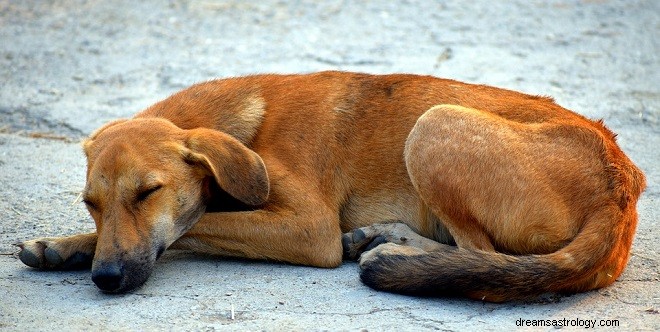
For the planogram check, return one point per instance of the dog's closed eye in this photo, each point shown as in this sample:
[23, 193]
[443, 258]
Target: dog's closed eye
[145, 193]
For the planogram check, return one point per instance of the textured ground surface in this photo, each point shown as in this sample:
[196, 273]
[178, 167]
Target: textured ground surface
[67, 67]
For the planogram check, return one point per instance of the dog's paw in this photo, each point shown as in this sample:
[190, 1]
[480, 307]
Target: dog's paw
[38, 254]
[364, 239]
[48, 254]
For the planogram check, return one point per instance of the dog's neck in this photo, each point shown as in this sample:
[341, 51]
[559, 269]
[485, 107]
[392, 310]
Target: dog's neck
[236, 112]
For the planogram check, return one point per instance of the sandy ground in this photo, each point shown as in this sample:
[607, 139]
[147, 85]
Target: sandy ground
[67, 67]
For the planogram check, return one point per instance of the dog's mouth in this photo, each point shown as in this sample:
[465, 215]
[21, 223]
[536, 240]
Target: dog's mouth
[125, 274]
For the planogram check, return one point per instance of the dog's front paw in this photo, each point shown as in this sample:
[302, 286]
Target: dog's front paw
[48, 254]
[37, 254]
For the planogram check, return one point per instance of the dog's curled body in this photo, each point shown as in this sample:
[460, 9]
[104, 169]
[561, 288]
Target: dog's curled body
[535, 197]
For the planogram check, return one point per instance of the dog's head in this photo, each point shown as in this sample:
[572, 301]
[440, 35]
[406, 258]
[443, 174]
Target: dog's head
[149, 181]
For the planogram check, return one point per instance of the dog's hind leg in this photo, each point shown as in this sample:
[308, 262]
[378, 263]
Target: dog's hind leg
[63, 253]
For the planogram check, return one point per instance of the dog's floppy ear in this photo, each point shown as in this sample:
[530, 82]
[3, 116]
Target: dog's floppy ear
[238, 170]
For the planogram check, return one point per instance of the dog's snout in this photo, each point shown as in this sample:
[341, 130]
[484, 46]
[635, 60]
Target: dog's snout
[108, 277]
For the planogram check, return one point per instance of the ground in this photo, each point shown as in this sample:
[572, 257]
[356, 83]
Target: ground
[66, 67]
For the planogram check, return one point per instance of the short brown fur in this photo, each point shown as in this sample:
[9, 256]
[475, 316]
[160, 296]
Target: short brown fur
[278, 166]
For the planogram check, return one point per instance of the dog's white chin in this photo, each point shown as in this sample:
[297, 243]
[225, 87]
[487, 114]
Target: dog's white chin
[167, 229]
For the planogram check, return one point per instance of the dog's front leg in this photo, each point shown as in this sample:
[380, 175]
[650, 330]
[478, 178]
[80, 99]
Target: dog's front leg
[306, 238]
[62, 253]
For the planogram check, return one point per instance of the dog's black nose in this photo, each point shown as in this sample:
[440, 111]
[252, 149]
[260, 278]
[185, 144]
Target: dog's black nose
[107, 276]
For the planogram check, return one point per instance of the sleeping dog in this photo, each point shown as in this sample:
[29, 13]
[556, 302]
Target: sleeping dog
[438, 187]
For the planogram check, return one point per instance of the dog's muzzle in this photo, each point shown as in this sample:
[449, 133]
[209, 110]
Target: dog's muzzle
[123, 276]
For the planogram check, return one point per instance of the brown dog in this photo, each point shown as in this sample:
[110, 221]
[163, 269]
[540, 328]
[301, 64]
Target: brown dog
[535, 198]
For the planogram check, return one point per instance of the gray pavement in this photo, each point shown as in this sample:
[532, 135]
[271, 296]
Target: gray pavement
[66, 67]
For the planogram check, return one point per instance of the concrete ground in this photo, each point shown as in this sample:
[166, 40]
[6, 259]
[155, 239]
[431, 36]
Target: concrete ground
[66, 67]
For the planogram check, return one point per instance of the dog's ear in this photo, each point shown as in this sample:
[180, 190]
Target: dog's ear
[238, 170]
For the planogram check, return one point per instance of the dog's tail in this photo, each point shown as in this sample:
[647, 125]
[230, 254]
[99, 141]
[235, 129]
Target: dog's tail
[594, 259]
